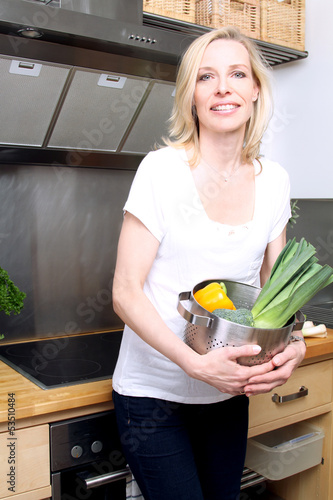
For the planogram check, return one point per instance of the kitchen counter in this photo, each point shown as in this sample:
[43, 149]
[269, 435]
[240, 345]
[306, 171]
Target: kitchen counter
[32, 402]
[35, 405]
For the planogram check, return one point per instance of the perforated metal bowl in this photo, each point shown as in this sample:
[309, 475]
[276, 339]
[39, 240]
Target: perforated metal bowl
[205, 331]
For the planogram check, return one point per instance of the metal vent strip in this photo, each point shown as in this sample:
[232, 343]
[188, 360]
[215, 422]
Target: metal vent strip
[134, 117]
[250, 478]
[318, 315]
[59, 107]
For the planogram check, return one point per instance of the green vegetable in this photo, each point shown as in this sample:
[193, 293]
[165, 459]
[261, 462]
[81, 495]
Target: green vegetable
[294, 215]
[241, 316]
[11, 298]
[295, 278]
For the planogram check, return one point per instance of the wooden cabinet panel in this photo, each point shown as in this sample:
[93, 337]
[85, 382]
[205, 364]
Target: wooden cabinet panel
[24, 460]
[317, 378]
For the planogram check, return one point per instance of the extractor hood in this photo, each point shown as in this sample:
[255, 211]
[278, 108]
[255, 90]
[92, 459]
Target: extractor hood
[110, 25]
[84, 75]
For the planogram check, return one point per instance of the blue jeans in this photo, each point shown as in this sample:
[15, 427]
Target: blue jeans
[184, 451]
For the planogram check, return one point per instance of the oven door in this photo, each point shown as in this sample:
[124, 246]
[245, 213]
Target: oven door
[86, 483]
[86, 459]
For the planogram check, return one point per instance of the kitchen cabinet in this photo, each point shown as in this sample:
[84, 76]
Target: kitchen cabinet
[266, 415]
[315, 407]
[25, 464]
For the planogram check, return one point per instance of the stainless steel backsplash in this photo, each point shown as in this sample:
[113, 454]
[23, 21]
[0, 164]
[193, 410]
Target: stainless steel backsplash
[59, 230]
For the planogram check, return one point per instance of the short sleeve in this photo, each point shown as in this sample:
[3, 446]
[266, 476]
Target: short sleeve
[280, 199]
[145, 199]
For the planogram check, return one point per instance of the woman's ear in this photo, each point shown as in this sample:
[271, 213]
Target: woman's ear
[255, 92]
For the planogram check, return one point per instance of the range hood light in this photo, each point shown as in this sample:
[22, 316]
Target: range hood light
[30, 33]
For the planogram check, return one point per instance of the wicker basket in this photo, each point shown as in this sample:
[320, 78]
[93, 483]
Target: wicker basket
[245, 14]
[184, 10]
[283, 22]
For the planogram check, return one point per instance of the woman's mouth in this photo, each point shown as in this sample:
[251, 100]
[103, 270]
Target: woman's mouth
[224, 107]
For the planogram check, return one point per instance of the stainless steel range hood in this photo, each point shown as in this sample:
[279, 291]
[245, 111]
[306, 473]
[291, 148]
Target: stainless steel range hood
[85, 75]
[90, 75]
[114, 26]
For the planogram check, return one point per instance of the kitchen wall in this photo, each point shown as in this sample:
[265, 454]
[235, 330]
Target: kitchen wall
[300, 134]
[59, 230]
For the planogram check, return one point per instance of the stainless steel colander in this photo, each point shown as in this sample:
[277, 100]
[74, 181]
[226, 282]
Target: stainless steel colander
[205, 331]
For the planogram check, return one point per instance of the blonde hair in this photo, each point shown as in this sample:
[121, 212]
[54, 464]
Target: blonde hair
[184, 128]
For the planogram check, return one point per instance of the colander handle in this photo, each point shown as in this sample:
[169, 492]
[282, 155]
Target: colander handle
[299, 323]
[194, 319]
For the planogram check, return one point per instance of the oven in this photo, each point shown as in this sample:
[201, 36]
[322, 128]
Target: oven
[86, 459]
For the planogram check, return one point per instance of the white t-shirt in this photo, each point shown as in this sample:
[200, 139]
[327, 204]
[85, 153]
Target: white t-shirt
[193, 248]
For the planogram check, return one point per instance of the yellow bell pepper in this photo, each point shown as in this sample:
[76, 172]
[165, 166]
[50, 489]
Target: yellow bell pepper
[213, 296]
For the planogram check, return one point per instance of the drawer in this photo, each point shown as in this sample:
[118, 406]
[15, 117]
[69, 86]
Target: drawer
[24, 462]
[317, 378]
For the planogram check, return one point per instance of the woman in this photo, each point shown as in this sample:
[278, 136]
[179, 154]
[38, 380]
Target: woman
[203, 207]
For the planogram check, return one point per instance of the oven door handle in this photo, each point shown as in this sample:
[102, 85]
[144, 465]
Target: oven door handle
[110, 477]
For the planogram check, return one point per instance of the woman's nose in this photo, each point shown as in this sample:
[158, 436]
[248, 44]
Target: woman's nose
[223, 86]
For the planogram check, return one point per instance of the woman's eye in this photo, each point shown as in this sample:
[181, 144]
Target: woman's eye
[205, 77]
[240, 74]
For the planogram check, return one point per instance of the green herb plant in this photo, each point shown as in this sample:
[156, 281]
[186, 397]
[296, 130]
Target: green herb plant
[11, 298]
[294, 215]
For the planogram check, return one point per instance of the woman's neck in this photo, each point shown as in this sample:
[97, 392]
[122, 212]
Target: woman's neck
[225, 155]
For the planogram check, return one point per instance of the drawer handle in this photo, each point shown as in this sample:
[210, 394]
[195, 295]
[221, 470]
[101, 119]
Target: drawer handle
[303, 391]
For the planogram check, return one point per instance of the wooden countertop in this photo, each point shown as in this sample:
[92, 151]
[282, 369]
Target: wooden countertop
[32, 402]
[319, 347]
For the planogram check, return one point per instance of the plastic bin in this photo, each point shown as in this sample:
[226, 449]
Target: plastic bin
[286, 451]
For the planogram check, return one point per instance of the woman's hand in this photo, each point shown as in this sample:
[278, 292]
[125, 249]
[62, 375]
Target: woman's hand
[285, 363]
[219, 368]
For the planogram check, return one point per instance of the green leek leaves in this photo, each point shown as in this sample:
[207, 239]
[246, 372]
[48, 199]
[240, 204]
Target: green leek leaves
[295, 278]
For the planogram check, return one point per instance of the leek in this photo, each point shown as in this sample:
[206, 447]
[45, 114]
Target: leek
[296, 277]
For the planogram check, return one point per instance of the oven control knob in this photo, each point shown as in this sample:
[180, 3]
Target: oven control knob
[97, 446]
[76, 451]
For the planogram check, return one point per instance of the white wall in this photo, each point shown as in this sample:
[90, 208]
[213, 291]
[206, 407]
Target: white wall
[300, 135]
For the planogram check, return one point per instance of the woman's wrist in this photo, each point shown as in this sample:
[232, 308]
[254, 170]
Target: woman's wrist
[189, 362]
[296, 338]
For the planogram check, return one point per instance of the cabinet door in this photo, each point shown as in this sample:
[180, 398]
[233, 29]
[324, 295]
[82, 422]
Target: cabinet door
[316, 378]
[24, 460]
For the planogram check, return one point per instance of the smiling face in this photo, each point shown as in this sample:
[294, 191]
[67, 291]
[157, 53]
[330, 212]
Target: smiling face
[225, 89]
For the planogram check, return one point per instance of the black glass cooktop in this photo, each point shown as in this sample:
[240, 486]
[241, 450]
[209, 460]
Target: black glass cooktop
[51, 363]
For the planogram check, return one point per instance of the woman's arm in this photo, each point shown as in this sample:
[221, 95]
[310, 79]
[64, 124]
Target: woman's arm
[136, 253]
[137, 250]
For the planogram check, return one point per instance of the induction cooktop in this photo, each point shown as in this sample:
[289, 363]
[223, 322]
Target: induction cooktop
[64, 361]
